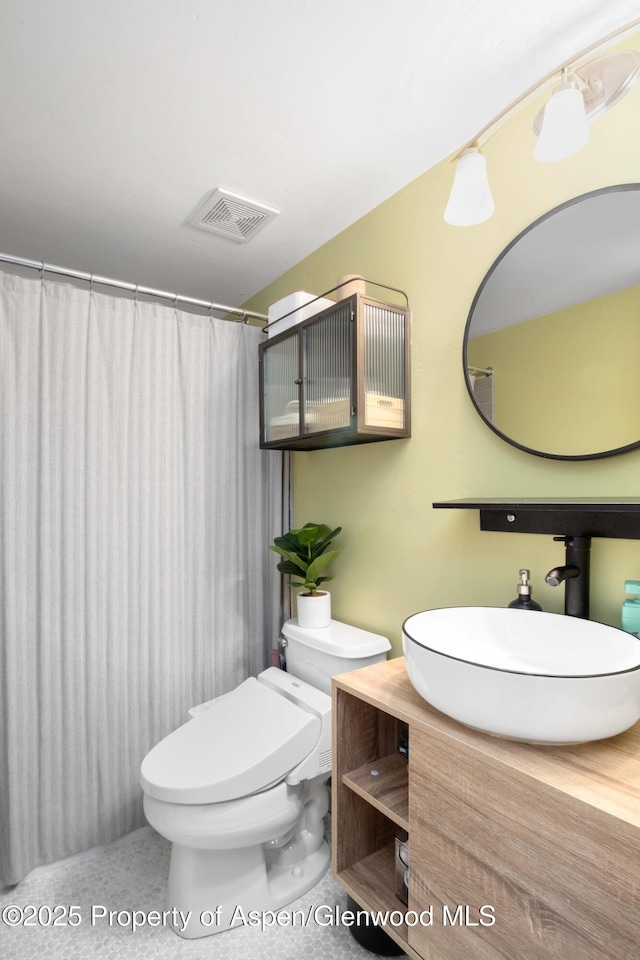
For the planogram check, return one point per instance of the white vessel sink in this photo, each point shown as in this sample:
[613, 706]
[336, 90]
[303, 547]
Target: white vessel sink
[532, 676]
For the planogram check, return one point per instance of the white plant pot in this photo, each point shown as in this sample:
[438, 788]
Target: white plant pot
[314, 612]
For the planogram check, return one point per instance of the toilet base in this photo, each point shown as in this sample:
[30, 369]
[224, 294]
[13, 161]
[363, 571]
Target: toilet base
[219, 890]
[254, 854]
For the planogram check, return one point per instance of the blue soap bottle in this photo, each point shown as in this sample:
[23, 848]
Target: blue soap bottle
[524, 600]
[631, 608]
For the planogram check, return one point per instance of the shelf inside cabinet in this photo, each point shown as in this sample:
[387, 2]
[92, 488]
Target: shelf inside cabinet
[371, 882]
[384, 784]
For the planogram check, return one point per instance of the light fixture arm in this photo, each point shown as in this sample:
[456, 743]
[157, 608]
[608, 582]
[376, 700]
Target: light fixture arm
[572, 64]
[586, 89]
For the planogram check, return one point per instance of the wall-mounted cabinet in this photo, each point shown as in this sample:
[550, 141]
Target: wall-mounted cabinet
[340, 377]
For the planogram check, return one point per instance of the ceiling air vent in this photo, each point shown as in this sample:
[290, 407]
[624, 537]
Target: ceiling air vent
[233, 216]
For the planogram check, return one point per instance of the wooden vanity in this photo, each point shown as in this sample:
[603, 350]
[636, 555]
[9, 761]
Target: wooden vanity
[516, 851]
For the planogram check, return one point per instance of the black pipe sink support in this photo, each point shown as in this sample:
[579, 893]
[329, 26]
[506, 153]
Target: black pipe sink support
[575, 574]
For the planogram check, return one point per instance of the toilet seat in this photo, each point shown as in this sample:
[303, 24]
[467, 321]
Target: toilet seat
[246, 741]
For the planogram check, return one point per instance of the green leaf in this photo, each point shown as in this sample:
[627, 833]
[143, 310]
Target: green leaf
[288, 555]
[322, 528]
[280, 550]
[320, 580]
[287, 543]
[330, 535]
[289, 569]
[322, 545]
[296, 583]
[319, 564]
[307, 535]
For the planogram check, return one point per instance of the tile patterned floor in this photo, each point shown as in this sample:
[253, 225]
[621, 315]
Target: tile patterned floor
[133, 876]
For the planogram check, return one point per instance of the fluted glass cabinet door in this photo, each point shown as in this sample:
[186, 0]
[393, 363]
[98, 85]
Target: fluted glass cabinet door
[327, 374]
[281, 389]
[383, 382]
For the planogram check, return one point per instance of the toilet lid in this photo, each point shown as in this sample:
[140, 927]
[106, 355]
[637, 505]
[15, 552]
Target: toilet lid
[244, 742]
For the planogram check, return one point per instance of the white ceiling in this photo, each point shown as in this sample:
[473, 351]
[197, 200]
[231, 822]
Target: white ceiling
[119, 118]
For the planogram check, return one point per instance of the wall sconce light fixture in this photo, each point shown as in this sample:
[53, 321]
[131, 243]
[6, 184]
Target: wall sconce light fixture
[564, 128]
[586, 91]
[470, 200]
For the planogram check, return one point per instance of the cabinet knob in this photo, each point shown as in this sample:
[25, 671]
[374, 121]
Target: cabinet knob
[297, 381]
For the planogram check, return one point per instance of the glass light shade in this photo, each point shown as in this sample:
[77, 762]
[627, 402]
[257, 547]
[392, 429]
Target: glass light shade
[565, 128]
[470, 200]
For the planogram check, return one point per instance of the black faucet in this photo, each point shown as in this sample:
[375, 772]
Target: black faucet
[575, 575]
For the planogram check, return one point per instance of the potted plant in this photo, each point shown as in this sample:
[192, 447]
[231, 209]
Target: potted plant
[304, 556]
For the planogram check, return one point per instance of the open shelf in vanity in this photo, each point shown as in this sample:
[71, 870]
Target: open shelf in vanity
[370, 803]
[383, 783]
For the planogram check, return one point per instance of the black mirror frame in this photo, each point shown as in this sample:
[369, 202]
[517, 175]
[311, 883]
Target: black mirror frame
[616, 188]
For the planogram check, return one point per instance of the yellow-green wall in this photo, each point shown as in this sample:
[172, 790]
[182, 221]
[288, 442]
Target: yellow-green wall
[398, 554]
[583, 362]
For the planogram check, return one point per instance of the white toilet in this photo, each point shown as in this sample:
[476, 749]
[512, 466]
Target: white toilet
[241, 788]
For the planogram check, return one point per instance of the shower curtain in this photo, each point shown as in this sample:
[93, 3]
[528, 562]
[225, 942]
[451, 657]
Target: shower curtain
[135, 580]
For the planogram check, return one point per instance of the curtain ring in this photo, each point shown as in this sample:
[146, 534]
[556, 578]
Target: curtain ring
[245, 318]
[41, 269]
[91, 284]
[135, 293]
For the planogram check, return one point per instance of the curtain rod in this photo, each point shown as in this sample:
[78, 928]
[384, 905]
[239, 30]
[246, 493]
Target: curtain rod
[244, 315]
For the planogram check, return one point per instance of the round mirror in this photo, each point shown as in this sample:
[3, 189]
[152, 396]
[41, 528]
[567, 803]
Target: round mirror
[552, 344]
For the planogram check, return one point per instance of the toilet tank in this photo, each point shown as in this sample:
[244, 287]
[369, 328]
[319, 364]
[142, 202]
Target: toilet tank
[317, 655]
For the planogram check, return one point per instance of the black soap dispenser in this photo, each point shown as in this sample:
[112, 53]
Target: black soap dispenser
[523, 601]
